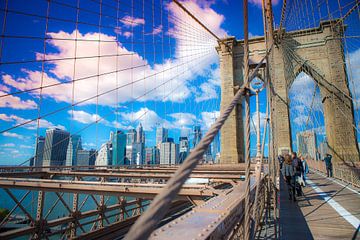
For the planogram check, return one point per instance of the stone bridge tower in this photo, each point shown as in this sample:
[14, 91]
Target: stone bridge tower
[318, 52]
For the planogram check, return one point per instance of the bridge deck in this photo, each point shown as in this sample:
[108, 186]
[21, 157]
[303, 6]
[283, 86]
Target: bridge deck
[328, 210]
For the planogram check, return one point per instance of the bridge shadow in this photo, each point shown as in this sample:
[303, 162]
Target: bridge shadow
[292, 221]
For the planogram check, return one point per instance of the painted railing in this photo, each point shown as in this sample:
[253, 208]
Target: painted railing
[346, 172]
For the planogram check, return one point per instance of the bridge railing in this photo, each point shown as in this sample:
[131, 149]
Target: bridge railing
[347, 172]
[222, 217]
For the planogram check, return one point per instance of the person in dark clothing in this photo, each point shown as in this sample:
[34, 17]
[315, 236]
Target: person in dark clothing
[328, 165]
[288, 174]
[299, 171]
[281, 161]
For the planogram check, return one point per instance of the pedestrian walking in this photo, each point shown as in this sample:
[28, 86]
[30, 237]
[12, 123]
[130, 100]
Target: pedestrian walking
[281, 161]
[328, 164]
[305, 169]
[288, 174]
[299, 171]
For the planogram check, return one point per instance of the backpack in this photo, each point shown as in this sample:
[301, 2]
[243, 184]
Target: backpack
[297, 164]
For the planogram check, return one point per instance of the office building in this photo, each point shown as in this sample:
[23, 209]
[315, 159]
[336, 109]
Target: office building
[72, 149]
[183, 149]
[56, 143]
[169, 153]
[306, 144]
[152, 155]
[131, 137]
[197, 135]
[39, 151]
[86, 157]
[323, 149]
[118, 148]
[104, 156]
[161, 136]
[215, 146]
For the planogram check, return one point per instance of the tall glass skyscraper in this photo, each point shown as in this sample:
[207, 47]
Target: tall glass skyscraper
[118, 148]
[183, 148]
[39, 151]
[56, 143]
[72, 149]
[161, 136]
[197, 135]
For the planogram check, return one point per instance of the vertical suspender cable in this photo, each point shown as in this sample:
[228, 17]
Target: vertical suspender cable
[247, 222]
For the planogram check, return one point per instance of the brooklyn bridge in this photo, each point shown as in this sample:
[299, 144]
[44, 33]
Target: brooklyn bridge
[152, 119]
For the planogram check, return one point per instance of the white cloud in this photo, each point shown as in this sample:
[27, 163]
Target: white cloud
[8, 145]
[130, 21]
[254, 123]
[208, 118]
[43, 123]
[86, 118]
[13, 135]
[14, 102]
[148, 118]
[208, 88]
[4, 88]
[132, 85]
[183, 120]
[26, 146]
[302, 119]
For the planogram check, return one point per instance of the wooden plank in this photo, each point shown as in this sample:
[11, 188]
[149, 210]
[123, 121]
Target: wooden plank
[311, 217]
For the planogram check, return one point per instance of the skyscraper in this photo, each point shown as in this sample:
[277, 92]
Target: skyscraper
[140, 134]
[56, 143]
[72, 149]
[131, 137]
[161, 135]
[86, 157]
[169, 153]
[151, 155]
[104, 156]
[118, 148]
[197, 135]
[306, 143]
[216, 146]
[39, 151]
[183, 148]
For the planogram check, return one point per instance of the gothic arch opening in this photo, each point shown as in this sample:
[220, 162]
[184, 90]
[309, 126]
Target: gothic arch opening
[307, 119]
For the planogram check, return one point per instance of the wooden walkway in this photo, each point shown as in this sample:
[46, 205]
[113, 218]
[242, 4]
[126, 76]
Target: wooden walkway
[327, 211]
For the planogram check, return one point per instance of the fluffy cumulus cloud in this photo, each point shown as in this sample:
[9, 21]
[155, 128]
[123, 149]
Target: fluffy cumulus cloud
[208, 118]
[43, 123]
[148, 118]
[302, 99]
[254, 123]
[13, 135]
[208, 89]
[87, 69]
[130, 21]
[84, 117]
[14, 102]
[183, 120]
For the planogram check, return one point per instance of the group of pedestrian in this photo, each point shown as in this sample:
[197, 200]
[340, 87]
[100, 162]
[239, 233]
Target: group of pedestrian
[294, 170]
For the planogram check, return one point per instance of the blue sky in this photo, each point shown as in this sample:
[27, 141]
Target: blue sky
[174, 81]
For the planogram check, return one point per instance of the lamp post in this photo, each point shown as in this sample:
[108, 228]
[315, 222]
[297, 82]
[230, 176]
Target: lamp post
[257, 85]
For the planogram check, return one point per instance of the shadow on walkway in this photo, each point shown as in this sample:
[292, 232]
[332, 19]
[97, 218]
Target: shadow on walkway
[292, 221]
